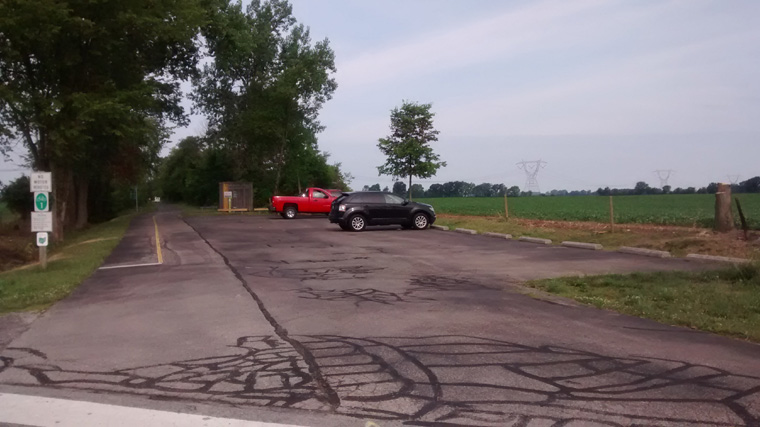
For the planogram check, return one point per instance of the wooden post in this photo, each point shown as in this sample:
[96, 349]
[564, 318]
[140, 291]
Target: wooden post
[724, 219]
[612, 215]
[43, 257]
[745, 227]
[506, 206]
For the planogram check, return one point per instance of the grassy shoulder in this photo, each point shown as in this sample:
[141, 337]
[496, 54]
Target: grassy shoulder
[680, 241]
[32, 288]
[726, 302]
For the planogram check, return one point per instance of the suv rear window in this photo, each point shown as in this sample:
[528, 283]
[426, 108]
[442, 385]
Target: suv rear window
[367, 198]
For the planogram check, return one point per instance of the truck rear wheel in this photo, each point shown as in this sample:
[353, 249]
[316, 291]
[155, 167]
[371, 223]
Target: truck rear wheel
[290, 212]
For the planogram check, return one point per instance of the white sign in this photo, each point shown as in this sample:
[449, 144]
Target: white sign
[41, 181]
[42, 221]
[41, 202]
[42, 239]
[228, 194]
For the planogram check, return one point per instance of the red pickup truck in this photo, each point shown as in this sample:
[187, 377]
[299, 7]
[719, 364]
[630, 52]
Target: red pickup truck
[314, 200]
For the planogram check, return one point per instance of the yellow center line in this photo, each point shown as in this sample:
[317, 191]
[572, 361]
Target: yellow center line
[158, 243]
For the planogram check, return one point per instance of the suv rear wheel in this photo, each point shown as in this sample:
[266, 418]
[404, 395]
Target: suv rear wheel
[420, 221]
[357, 223]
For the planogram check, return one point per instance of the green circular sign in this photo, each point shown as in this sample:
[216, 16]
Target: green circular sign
[41, 201]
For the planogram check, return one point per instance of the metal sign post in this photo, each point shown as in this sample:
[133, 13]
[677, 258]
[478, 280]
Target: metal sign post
[41, 184]
[228, 196]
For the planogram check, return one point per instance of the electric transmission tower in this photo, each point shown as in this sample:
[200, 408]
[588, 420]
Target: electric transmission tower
[734, 179]
[664, 176]
[531, 169]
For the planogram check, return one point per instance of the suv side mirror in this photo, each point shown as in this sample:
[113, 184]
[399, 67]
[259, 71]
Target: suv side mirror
[406, 202]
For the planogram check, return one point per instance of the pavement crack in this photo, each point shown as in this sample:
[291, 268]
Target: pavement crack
[330, 395]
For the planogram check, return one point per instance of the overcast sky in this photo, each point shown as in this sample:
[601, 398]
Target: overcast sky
[604, 91]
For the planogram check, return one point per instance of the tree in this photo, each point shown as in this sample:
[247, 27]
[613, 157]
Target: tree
[482, 190]
[435, 190]
[418, 191]
[87, 88]
[399, 188]
[407, 148]
[386, 189]
[262, 92]
[374, 187]
[751, 185]
[641, 188]
[514, 191]
[18, 198]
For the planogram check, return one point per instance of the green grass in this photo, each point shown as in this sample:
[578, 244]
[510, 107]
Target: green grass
[725, 302]
[671, 209]
[32, 288]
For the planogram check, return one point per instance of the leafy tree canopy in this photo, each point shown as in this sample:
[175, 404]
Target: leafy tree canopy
[407, 149]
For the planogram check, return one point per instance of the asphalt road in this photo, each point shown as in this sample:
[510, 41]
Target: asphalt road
[262, 318]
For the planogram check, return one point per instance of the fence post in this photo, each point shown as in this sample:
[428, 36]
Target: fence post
[506, 207]
[612, 215]
[745, 228]
[724, 219]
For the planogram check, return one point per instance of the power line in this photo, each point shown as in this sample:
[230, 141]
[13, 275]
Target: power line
[531, 169]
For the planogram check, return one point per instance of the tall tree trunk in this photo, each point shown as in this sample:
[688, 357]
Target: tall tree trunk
[63, 201]
[82, 192]
[280, 163]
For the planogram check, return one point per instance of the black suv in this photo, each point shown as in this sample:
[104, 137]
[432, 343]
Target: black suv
[355, 211]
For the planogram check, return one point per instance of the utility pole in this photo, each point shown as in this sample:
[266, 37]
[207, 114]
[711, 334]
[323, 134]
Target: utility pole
[734, 179]
[664, 176]
[531, 169]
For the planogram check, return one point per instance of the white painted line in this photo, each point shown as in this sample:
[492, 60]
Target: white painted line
[45, 411]
[110, 267]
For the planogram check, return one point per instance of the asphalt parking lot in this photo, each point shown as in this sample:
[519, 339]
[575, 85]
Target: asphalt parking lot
[396, 326]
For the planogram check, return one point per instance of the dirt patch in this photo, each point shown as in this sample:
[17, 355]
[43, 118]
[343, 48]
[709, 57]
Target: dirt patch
[16, 246]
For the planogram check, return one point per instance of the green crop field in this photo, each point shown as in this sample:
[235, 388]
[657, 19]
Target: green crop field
[670, 209]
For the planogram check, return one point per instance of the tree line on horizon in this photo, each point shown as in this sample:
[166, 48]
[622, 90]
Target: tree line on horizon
[469, 189]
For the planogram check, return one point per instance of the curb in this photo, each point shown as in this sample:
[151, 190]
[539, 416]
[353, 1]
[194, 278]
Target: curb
[465, 231]
[580, 245]
[439, 227]
[644, 252]
[498, 235]
[535, 240]
[717, 258]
